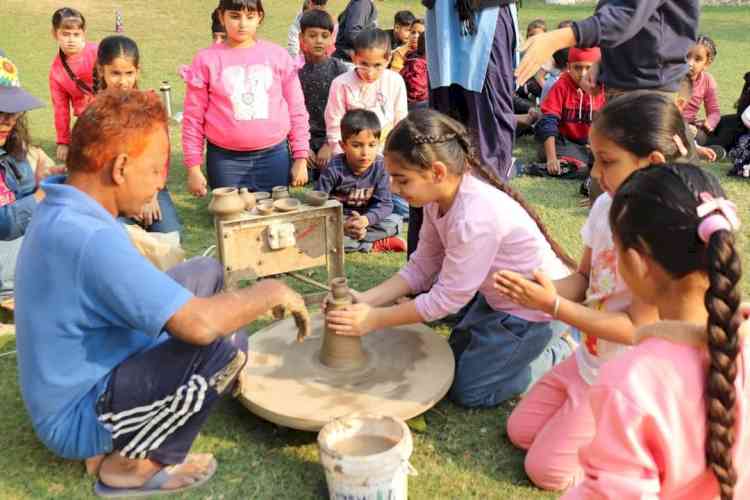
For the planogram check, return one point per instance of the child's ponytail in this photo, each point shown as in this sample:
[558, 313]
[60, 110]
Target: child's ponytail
[693, 232]
[722, 303]
[426, 136]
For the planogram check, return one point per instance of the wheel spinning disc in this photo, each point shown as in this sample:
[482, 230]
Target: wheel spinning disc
[407, 371]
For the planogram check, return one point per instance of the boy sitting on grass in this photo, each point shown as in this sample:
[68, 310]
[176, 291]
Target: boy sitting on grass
[568, 110]
[316, 76]
[357, 178]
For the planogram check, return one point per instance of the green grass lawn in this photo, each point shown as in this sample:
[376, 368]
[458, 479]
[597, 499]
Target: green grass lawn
[462, 454]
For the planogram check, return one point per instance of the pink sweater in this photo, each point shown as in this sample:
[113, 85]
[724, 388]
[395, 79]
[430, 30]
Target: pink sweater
[705, 92]
[243, 100]
[65, 92]
[386, 98]
[650, 427]
[484, 231]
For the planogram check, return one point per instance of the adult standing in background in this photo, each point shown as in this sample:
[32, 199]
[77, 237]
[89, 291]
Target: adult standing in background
[471, 48]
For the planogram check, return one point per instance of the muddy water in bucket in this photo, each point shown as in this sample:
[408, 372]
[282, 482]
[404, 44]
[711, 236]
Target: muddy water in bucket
[366, 457]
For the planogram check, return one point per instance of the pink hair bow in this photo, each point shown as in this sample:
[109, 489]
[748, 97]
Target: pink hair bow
[717, 214]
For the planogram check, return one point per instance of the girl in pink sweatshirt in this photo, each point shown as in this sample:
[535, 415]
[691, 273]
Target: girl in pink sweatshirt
[245, 100]
[671, 415]
[71, 80]
[553, 421]
[471, 229]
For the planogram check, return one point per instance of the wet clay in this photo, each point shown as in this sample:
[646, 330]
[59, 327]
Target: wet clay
[340, 351]
[364, 445]
[407, 370]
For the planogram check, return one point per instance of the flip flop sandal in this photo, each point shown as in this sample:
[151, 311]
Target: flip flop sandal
[153, 486]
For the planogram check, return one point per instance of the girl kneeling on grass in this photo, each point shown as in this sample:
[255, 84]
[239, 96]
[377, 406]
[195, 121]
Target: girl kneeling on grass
[471, 229]
[118, 67]
[554, 419]
[671, 414]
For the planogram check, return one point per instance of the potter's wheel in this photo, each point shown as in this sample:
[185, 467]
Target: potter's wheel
[408, 370]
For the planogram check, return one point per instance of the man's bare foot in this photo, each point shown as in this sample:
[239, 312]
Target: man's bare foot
[93, 464]
[117, 471]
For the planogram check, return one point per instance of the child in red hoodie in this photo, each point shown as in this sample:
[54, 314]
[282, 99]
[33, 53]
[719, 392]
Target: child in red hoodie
[568, 110]
[71, 77]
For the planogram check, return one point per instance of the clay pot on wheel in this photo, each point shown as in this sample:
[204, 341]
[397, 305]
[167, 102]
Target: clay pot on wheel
[226, 203]
[248, 198]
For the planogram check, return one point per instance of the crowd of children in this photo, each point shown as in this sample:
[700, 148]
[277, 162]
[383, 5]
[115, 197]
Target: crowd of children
[595, 348]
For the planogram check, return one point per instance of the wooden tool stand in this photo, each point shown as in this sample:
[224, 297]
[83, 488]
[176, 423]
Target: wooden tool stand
[253, 246]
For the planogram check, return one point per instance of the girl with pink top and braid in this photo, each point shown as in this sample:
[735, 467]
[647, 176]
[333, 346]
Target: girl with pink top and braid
[245, 101]
[471, 229]
[554, 420]
[71, 77]
[671, 415]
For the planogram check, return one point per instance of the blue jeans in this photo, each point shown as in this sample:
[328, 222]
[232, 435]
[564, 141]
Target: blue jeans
[260, 170]
[170, 221]
[500, 356]
[390, 226]
[400, 207]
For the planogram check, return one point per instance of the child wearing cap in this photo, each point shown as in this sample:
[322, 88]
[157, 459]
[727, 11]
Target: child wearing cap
[18, 187]
[568, 111]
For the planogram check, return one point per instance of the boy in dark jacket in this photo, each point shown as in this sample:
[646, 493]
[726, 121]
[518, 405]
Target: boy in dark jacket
[568, 110]
[357, 178]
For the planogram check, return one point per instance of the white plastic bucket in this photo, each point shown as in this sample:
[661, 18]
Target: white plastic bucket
[366, 458]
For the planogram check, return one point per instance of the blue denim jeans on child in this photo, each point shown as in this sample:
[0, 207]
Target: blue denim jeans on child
[500, 356]
[169, 222]
[256, 170]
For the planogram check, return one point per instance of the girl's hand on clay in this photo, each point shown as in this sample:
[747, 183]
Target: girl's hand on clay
[707, 154]
[356, 320]
[299, 172]
[539, 295]
[62, 152]
[151, 212]
[196, 182]
[355, 295]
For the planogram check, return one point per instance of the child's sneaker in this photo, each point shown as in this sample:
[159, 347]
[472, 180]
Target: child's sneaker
[392, 244]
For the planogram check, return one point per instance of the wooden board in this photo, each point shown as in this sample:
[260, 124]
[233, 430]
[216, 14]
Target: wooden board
[245, 252]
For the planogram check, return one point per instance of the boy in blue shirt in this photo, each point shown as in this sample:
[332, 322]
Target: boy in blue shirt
[357, 178]
[119, 363]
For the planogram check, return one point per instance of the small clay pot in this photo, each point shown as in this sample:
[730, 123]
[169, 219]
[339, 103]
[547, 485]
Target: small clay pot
[248, 198]
[280, 192]
[262, 195]
[226, 203]
[287, 204]
[264, 207]
[316, 198]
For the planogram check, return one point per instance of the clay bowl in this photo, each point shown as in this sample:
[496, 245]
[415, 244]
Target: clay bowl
[264, 207]
[316, 198]
[262, 195]
[287, 204]
[280, 192]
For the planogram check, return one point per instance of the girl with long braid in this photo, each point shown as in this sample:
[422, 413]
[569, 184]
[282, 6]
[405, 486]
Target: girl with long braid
[471, 230]
[671, 413]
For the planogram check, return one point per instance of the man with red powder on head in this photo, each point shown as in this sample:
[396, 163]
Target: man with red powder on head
[568, 110]
[120, 363]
